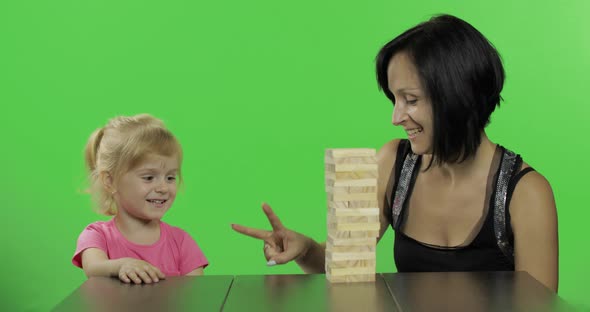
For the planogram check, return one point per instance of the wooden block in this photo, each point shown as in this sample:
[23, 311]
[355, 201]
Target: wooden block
[332, 181]
[352, 189]
[351, 168]
[350, 152]
[350, 249]
[350, 175]
[348, 256]
[351, 212]
[353, 248]
[363, 203]
[338, 205]
[368, 227]
[355, 219]
[352, 196]
[350, 160]
[351, 278]
[351, 271]
[356, 204]
[352, 234]
[351, 263]
[362, 241]
[356, 215]
[332, 219]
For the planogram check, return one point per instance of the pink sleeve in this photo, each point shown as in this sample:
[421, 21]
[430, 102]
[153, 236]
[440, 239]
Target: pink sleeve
[91, 237]
[191, 255]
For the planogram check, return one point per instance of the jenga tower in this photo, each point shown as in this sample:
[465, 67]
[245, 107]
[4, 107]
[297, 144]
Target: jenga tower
[353, 214]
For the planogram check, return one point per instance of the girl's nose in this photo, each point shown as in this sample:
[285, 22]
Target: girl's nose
[162, 187]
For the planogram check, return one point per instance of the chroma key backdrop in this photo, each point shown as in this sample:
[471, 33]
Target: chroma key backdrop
[256, 91]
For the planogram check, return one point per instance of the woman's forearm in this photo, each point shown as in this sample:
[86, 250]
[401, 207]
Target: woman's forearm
[313, 261]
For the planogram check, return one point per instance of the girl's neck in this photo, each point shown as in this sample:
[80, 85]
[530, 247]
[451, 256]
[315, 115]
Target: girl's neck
[142, 232]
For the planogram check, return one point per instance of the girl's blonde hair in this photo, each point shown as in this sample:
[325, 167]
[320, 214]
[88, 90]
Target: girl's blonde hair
[120, 146]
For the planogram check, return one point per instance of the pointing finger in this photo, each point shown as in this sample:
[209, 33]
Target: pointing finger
[255, 233]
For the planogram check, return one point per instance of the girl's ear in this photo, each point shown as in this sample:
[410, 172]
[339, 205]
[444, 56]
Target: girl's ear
[107, 181]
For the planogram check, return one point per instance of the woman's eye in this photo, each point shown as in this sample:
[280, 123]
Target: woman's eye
[171, 178]
[148, 178]
[411, 101]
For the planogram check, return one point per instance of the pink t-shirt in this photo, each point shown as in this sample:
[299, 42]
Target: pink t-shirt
[175, 253]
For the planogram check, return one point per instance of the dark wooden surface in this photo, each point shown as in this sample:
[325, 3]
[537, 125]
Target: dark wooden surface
[306, 293]
[471, 291]
[186, 293]
[444, 291]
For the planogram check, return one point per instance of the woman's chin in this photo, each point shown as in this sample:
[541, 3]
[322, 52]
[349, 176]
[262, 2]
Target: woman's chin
[420, 149]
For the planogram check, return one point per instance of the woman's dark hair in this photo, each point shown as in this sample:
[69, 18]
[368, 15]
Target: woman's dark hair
[462, 74]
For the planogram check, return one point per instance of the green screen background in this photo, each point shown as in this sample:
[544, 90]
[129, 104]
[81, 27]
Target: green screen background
[255, 91]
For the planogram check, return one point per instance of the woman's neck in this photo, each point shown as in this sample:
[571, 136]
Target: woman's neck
[478, 164]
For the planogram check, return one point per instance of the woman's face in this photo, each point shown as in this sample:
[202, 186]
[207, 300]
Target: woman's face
[412, 109]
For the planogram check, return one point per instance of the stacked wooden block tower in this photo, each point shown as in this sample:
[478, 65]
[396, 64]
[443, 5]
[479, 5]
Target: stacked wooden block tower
[353, 214]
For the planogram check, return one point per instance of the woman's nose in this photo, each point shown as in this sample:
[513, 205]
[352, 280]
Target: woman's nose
[399, 114]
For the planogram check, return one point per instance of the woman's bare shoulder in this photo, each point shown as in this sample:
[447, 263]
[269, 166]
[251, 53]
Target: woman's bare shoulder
[387, 153]
[532, 195]
[386, 160]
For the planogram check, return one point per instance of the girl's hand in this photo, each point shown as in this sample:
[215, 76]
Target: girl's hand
[138, 271]
[281, 245]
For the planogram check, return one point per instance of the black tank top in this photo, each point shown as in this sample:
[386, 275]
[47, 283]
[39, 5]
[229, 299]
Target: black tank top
[490, 250]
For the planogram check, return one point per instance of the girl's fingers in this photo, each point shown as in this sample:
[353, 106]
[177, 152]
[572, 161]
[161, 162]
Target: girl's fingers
[133, 276]
[123, 277]
[145, 277]
[153, 275]
[160, 274]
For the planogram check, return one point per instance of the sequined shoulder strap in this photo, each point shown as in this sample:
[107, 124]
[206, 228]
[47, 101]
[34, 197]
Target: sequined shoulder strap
[402, 183]
[509, 165]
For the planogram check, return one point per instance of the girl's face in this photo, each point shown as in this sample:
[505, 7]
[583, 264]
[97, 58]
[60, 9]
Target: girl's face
[147, 191]
[412, 110]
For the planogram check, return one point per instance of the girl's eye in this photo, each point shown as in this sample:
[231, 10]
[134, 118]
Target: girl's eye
[411, 101]
[148, 178]
[172, 178]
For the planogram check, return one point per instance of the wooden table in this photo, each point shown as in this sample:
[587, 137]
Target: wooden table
[472, 291]
[445, 291]
[186, 293]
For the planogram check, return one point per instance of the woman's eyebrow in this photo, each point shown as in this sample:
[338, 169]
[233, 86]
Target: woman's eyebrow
[407, 89]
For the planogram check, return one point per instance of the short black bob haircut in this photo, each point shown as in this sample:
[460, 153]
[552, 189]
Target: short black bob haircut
[462, 75]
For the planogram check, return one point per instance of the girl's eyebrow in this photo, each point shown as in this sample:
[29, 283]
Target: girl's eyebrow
[154, 169]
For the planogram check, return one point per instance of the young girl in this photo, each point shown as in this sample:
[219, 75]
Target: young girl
[133, 164]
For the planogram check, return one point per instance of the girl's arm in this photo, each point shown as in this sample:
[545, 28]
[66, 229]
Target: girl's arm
[196, 272]
[96, 263]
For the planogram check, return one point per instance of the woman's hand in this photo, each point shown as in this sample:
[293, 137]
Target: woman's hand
[281, 245]
[138, 271]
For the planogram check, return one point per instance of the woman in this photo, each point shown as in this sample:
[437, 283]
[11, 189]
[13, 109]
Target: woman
[456, 200]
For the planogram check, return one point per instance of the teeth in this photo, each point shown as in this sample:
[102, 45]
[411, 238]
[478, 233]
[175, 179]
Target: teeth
[414, 131]
[156, 201]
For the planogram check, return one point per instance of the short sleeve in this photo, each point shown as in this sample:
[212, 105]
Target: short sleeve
[191, 255]
[92, 237]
